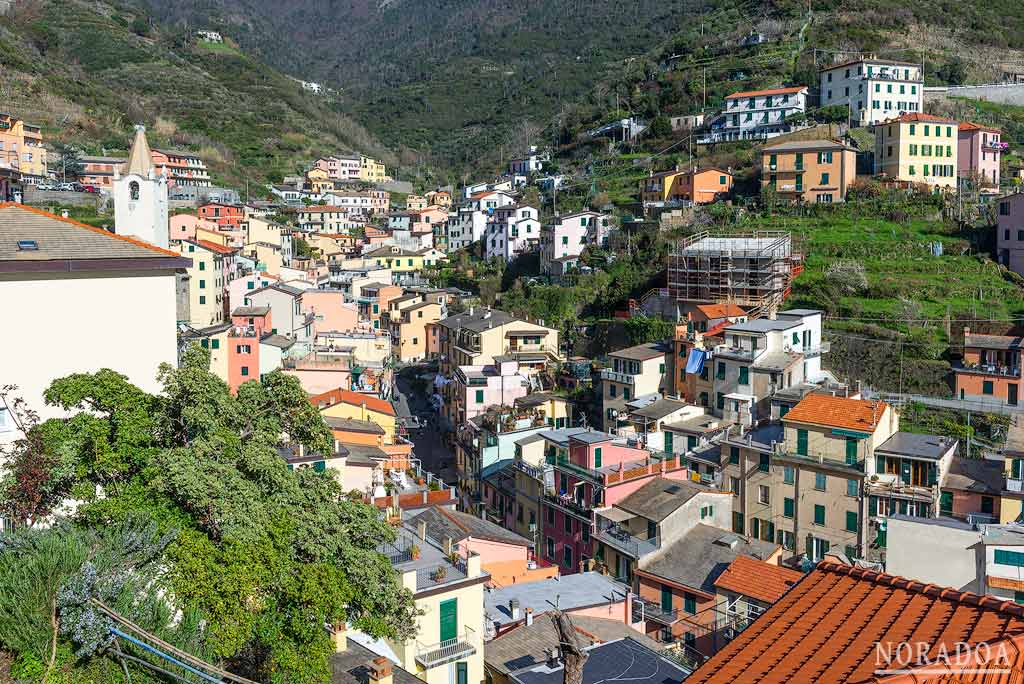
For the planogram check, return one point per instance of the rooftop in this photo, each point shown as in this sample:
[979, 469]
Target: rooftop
[526, 646]
[660, 409]
[251, 311]
[344, 396]
[442, 523]
[479, 320]
[624, 660]
[698, 557]
[570, 592]
[800, 145]
[660, 498]
[353, 425]
[33, 240]
[976, 475]
[826, 410]
[641, 352]
[352, 666]
[931, 447]
[726, 310]
[833, 625]
[771, 91]
[994, 341]
[919, 117]
[758, 579]
[763, 325]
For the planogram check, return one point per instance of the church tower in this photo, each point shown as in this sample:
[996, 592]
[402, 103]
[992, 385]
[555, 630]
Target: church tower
[140, 195]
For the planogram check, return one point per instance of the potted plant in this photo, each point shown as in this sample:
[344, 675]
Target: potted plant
[415, 551]
[438, 574]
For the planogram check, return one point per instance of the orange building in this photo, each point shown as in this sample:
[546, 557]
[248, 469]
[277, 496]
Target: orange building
[819, 171]
[990, 369]
[701, 186]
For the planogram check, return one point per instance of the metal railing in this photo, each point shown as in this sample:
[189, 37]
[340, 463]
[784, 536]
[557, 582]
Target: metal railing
[569, 504]
[1014, 485]
[624, 378]
[988, 369]
[653, 610]
[737, 352]
[531, 470]
[449, 650]
[612, 534]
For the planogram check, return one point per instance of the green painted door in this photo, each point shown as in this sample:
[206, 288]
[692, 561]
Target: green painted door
[666, 599]
[449, 619]
[461, 673]
[668, 441]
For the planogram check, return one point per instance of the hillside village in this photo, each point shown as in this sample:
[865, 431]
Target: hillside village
[739, 391]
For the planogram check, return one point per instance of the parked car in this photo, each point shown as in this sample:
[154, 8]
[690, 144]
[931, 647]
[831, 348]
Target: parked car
[46, 185]
[90, 188]
[66, 187]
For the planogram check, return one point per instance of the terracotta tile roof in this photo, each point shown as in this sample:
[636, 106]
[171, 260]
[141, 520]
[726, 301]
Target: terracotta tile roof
[323, 209]
[971, 126]
[770, 91]
[721, 310]
[837, 412]
[344, 396]
[213, 246]
[757, 579]
[919, 116]
[837, 624]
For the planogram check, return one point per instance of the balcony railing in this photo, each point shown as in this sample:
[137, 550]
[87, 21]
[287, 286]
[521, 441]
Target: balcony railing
[613, 535]
[814, 350]
[608, 374]
[741, 353]
[567, 503]
[1014, 485]
[531, 470]
[988, 369]
[654, 611]
[448, 651]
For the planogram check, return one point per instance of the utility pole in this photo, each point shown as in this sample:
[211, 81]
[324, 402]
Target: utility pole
[704, 100]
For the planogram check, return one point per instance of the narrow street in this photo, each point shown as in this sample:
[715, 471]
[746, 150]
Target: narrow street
[411, 400]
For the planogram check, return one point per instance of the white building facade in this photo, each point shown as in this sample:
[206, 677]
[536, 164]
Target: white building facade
[874, 89]
[759, 114]
[512, 230]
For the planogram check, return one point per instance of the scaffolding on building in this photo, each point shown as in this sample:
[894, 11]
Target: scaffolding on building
[752, 270]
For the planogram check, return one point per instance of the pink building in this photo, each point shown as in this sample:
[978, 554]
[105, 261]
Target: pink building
[330, 310]
[183, 226]
[1010, 232]
[244, 284]
[477, 387]
[248, 324]
[339, 168]
[591, 470]
[972, 485]
[978, 153]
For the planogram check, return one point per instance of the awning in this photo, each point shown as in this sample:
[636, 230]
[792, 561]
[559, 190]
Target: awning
[615, 514]
[695, 364]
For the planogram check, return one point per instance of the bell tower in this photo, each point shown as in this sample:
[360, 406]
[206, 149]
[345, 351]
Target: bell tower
[140, 195]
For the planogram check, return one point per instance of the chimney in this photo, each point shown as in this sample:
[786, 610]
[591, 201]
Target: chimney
[628, 612]
[552, 658]
[339, 635]
[449, 546]
[513, 608]
[380, 671]
[529, 616]
[421, 530]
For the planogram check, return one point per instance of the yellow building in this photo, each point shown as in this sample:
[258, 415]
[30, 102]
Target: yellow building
[21, 147]
[918, 148]
[448, 590]
[205, 281]
[409, 329]
[342, 403]
[371, 170]
[215, 340]
[397, 259]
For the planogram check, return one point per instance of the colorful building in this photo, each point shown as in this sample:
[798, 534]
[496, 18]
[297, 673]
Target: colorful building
[918, 148]
[702, 186]
[873, 90]
[224, 215]
[990, 369]
[815, 171]
[980, 149]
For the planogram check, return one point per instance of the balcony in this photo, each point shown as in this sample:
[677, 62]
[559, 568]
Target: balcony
[996, 146]
[1014, 485]
[531, 470]
[738, 353]
[448, 651]
[568, 504]
[987, 369]
[612, 534]
[653, 611]
[625, 379]
[814, 350]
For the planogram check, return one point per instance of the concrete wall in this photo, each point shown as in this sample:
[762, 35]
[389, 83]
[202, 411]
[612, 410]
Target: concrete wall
[1004, 93]
[49, 198]
[933, 554]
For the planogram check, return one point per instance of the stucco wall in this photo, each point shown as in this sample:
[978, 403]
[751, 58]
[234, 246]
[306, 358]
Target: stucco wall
[933, 554]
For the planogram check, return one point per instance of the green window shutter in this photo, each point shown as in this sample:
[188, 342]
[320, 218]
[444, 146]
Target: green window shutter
[801, 442]
[764, 463]
[810, 546]
[788, 475]
[819, 514]
[851, 521]
[319, 466]
[691, 442]
[737, 522]
[597, 457]
[661, 368]
[449, 616]
[205, 343]
[744, 375]
[376, 308]
[215, 344]
[852, 488]
[721, 371]
[734, 455]
[851, 451]
[986, 387]
[666, 598]
[690, 604]
[668, 441]
[626, 393]
[720, 402]
[788, 506]
[820, 480]
[479, 396]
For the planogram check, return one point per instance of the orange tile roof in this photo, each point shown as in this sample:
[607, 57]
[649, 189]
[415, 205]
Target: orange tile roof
[214, 247]
[323, 208]
[837, 412]
[770, 91]
[838, 623]
[135, 241]
[344, 396]
[919, 116]
[758, 579]
[721, 310]
[971, 126]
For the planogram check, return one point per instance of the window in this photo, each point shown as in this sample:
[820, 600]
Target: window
[479, 396]
[720, 401]
[801, 442]
[764, 461]
[788, 475]
[763, 494]
[734, 485]
[625, 393]
[744, 375]
[245, 370]
[851, 521]
[597, 457]
[737, 522]
[551, 516]
[819, 514]
[567, 556]
[214, 344]
[1014, 558]
[721, 180]
[133, 190]
[690, 604]
[788, 506]
[202, 284]
[721, 371]
[986, 504]
[550, 548]
[611, 391]
[851, 451]
[202, 299]
[707, 512]
[820, 480]
[852, 488]
[567, 523]
[734, 455]
[986, 387]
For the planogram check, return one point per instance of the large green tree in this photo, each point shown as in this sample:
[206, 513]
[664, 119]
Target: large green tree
[266, 556]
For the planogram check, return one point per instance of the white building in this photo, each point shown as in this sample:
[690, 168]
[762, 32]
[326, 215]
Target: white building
[512, 230]
[874, 89]
[528, 165]
[77, 299]
[469, 224]
[758, 114]
[140, 195]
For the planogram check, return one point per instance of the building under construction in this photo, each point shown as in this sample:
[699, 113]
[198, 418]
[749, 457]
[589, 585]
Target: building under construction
[752, 270]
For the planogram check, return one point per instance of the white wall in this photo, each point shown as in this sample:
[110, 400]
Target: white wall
[932, 553]
[53, 327]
